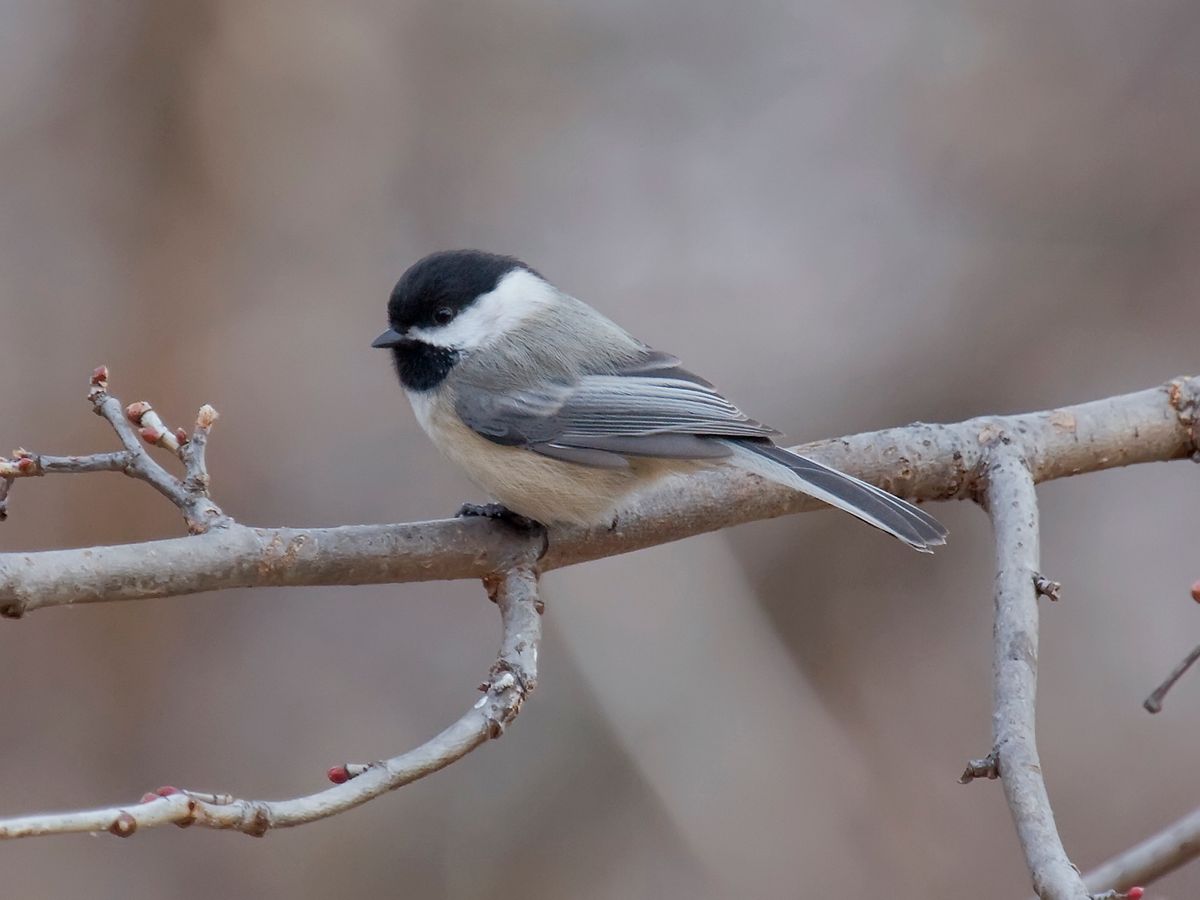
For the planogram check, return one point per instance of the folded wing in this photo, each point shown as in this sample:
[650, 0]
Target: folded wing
[650, 408]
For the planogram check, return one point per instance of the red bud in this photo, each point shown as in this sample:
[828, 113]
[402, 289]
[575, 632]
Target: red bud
[1135, 893]
[181, 436]
[25, 465]
[166, 791]
[338, 774]
[148, 798]
[100, 376]
[1196, 591]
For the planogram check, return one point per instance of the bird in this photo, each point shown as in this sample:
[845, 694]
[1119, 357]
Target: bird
[561, 415]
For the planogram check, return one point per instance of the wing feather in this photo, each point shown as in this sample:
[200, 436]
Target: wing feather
[652, 407]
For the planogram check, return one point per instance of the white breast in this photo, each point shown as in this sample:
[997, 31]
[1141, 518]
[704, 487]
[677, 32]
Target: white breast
[536, 486]
[422, 407]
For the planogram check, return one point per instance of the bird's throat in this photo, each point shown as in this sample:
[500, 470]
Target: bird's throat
[421, 366]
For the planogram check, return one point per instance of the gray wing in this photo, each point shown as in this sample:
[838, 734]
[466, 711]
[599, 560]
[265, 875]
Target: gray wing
[651, 407]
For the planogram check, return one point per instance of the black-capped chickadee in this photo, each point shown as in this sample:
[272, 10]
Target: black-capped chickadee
[560, 414]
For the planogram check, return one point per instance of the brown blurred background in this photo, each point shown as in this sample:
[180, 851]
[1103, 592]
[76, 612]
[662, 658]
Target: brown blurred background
[847, 215]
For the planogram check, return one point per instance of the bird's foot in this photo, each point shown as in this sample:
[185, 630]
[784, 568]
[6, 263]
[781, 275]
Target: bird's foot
[501, 513]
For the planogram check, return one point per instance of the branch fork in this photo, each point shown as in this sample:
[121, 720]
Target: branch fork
[138, 427]
[513, 676]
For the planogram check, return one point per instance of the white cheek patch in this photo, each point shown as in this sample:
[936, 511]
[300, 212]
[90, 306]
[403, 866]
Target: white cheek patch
[517, 296]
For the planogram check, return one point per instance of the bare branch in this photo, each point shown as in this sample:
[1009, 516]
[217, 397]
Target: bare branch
[513, 676]
[1012, 504]
[199, 511]
[193, 450]
[28, 465]
[1159, 855]
[920, 462]
[25, 464]
[1154, 703]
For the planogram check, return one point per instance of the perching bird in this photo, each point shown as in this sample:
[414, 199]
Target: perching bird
[560, 415]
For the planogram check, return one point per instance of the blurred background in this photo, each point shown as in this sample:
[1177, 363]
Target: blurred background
[849, 216]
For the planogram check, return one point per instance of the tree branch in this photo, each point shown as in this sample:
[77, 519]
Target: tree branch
[513, 676]
[1012, 505]
[1159, 855]
[919, 462]
[996, 460]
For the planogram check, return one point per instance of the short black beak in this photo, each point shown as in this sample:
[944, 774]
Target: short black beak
[390, 338]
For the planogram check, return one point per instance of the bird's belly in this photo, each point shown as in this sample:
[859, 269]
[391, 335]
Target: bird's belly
[548, 490]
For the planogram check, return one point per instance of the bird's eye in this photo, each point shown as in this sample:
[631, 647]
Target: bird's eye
[443, 315]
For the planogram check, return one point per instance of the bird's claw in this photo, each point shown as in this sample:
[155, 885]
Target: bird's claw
[501, 513]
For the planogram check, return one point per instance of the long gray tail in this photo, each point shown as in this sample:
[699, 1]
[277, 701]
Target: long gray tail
[874, 506]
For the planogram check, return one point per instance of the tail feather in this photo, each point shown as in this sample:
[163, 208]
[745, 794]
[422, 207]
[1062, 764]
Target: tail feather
[874, 506]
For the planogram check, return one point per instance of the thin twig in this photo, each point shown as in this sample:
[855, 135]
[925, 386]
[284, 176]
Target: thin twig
[1012, 505]
[1153, 858]
[1154, 703]
[28, 465]
[190, 496]
[192, 452]
[43, 464]
[513, 676]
